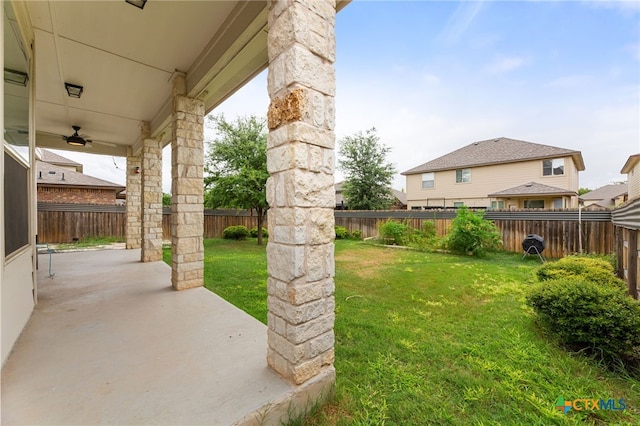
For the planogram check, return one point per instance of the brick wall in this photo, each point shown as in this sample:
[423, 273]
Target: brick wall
[76, 195]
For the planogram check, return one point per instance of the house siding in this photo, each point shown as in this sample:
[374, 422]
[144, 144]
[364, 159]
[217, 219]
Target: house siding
[76, 195]
[633, 182]
[487, 180]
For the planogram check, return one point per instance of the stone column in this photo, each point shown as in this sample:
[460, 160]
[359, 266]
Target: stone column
[300, 191]
[133, 206]
[187, 189]
[151, 197]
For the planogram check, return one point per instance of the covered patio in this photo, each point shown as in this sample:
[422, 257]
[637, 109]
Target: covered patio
[110, 342]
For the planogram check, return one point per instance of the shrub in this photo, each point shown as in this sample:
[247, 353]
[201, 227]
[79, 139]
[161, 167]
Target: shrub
[341, 233]
[596, 270]
[236, 232]
[392, 232]
[356, 234]
[253, 233]
[471, 233]
[429, 229]
[588, 315]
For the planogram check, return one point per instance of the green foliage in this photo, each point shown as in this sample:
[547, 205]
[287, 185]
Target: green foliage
[236, 166]
[592, 269]
[583, 191]
[356, 234]
[368, 175]
[392, 232]
[342, 233]
[471, 233]
[236, 232]
[253, 232]
[429, 229]
[585, 314]
[166, 199]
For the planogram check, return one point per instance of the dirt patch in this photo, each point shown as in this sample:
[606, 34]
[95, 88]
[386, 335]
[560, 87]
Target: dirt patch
[368, 262]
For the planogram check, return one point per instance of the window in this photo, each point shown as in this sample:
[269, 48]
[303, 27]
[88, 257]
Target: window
[557, 203]
[497, 205]
[534, 204]
[16, 204]
[416, 207]
[463, 175]
[427, 180]
[553, 167]
[458, 204]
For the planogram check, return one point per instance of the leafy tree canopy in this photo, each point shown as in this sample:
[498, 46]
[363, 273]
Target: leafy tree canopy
[236, 166]
[368, 174]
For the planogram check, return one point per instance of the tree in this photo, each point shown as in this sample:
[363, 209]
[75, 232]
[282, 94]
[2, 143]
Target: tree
[166, 199]
[368, 176]
[583, 191]
[236, 166]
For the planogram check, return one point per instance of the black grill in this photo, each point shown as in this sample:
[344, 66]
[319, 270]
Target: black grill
[533, 243]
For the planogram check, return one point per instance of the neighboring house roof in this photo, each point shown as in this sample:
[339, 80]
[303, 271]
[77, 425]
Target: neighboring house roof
[401, 196]
[605, 194]
[57, 160]
[495, 151]
[51, 175]
[630, 164]
[532, 188]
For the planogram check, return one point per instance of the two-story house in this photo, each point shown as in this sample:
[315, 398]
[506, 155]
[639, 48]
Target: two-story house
[60, 180]
[632, 169]
[497, 173]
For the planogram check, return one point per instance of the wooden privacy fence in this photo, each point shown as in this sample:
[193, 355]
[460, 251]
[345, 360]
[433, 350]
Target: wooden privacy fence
[62, 223]
[626, 221]
[560, 229]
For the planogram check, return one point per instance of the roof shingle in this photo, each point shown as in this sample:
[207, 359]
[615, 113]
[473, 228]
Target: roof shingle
[532, 188]
[495, 151]
[51, 175]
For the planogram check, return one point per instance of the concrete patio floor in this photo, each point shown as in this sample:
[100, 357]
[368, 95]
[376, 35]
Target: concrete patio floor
[110, 342]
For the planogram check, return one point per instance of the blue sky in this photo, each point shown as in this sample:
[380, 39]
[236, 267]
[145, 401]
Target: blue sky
[433, 76]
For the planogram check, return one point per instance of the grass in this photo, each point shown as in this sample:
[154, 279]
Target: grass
[89, 242]
[431, 338]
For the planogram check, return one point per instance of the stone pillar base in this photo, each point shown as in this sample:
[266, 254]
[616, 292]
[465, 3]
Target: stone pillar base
[295, 404]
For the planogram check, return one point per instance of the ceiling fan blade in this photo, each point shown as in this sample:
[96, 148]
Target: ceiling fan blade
[91, 141]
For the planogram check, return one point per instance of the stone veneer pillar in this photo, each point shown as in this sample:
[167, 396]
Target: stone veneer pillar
[133, 206]
[151, 172]
[300, 191]
[187, 189]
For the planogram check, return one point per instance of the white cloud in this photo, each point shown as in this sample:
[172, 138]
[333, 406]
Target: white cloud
[460, 21]
[505, 64]
[569, 81]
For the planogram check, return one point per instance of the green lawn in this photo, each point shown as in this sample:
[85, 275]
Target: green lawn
[435, 339]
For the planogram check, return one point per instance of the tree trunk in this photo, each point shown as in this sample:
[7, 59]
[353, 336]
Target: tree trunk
[260, 222]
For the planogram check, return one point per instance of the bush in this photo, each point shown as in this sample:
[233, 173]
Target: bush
[471, 233]
[342, 233]
[592, 269]
[588, 315]
[253, 233]
[429, 229]
[356, 234]
[237, 232]
[392, 232]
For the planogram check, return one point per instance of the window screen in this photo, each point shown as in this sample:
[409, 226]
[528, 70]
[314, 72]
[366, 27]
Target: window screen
[16, 205]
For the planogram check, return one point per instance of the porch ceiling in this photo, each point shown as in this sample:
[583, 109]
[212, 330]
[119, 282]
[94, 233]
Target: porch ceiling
[125, 58]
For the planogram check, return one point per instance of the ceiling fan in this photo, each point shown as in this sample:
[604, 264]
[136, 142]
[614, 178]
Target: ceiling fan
[75, 139]
[83, 140]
